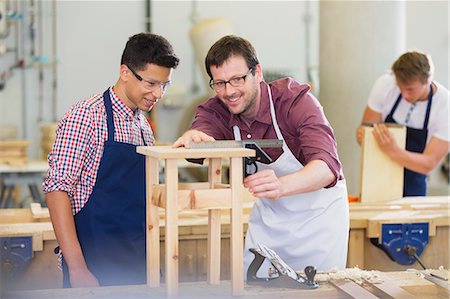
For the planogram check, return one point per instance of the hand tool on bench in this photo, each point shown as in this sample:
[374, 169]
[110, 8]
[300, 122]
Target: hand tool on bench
[285, 276]
[250, 166]
[411, 251]
[431, 278]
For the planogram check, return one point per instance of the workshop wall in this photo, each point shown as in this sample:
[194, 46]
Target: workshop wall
[90, 38]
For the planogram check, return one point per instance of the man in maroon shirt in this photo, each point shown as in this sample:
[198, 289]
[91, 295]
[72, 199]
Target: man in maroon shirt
[301, 210]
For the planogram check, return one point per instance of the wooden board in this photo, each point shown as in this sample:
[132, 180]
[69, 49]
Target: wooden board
[381, 177]
[167, 152]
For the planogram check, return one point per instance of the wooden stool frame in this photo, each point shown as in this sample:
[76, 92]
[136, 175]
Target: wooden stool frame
[174, 197]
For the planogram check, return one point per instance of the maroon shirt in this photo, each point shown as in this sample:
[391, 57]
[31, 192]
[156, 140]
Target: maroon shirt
[300, 116]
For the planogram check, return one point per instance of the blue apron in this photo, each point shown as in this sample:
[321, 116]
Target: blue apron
[111, 226]
[415, 184]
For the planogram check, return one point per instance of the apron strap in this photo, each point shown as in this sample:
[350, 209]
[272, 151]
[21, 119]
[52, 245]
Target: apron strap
[427, 115]
[109, 115]
[391, 113]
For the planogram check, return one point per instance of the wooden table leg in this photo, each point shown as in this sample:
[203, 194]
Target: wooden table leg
[171, 239]
[152, 221]
[237, 242]
[355, 256]
[214, 232]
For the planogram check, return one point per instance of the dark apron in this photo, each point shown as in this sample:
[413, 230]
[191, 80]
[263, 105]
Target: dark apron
[415, 184]
[111, 226]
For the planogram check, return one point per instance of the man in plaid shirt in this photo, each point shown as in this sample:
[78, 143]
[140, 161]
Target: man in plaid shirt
[95, 188]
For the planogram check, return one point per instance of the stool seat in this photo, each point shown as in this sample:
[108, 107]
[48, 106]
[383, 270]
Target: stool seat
[212, 196]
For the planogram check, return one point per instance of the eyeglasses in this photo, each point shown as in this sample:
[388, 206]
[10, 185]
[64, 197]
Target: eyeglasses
[151, 85]
[235, 82]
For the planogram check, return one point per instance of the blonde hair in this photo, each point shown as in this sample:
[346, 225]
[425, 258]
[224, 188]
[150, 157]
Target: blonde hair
[413, 65]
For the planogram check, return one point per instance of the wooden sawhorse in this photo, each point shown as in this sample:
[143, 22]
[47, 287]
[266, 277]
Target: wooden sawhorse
[212, 196]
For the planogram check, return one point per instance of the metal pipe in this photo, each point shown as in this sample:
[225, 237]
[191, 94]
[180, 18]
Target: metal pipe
[148, 19]
[54, 63]
[41, 66]
[307, 21]
[195, 88]
[7, 29]
[21, 66]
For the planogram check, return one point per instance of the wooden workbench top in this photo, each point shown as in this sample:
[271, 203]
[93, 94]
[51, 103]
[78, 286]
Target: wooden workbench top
[429, 208]
[388, 285]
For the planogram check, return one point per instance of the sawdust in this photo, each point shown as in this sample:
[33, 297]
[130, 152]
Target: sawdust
[354, 274]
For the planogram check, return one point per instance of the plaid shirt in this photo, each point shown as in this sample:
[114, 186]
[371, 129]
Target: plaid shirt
[75, 156]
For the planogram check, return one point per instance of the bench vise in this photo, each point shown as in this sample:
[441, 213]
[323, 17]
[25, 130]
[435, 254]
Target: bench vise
[403, 242]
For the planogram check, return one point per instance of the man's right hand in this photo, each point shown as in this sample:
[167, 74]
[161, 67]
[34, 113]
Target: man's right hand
[82, 278]
[191, 136]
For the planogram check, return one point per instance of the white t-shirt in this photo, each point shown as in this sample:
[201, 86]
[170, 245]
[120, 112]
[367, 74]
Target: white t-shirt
[384, 94]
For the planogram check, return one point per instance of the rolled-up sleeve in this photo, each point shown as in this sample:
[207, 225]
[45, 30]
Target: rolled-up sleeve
[69, 153]
[316, 140]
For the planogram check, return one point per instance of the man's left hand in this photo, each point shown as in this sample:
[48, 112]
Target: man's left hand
[385, 139]
[265, 184]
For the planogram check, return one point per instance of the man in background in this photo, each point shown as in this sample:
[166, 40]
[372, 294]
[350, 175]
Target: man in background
[409, 96]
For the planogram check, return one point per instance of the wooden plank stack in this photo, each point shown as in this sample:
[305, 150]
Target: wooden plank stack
[48, 136]
[14, 151]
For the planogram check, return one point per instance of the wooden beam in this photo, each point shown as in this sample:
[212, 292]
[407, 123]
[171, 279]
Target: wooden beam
[214, 232]
[171, 240]
[152, 224]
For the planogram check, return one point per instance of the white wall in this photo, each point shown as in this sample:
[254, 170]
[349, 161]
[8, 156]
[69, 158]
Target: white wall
[428, 23]
[275, 28]
[92, 34]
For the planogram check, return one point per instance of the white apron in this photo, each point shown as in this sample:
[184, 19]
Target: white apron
[304, 229]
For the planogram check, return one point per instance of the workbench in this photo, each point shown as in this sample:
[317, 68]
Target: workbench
[193, 231]
[404, 285]
[367, 219]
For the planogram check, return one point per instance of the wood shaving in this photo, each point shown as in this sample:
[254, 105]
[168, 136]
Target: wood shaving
[354, 274]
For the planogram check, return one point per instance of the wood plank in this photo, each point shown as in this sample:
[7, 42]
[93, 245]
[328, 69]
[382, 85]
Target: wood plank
[381, 177]
[355, 256]
[213, 249]
[167, 152]
[353, 289]
[194, 199]
[237, 243]
[152, 224]
[171, 241]
[394, 290]
[38, 211]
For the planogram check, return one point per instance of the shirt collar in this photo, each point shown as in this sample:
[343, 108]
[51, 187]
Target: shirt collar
[263, 115]
[122, 110]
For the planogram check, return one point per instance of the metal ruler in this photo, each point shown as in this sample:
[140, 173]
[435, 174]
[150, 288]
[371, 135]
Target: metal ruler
[262, 143]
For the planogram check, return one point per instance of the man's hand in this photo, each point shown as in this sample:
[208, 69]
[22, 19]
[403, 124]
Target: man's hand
[384, 139]
[81, 278]
[191, 136]
[360, 134]
[265, 184]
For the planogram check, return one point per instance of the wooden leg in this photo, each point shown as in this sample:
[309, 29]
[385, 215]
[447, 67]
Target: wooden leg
[171, 239]
[152, 221]
[214, 246]
[355, 255]
[214, 176]
[237, 242]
